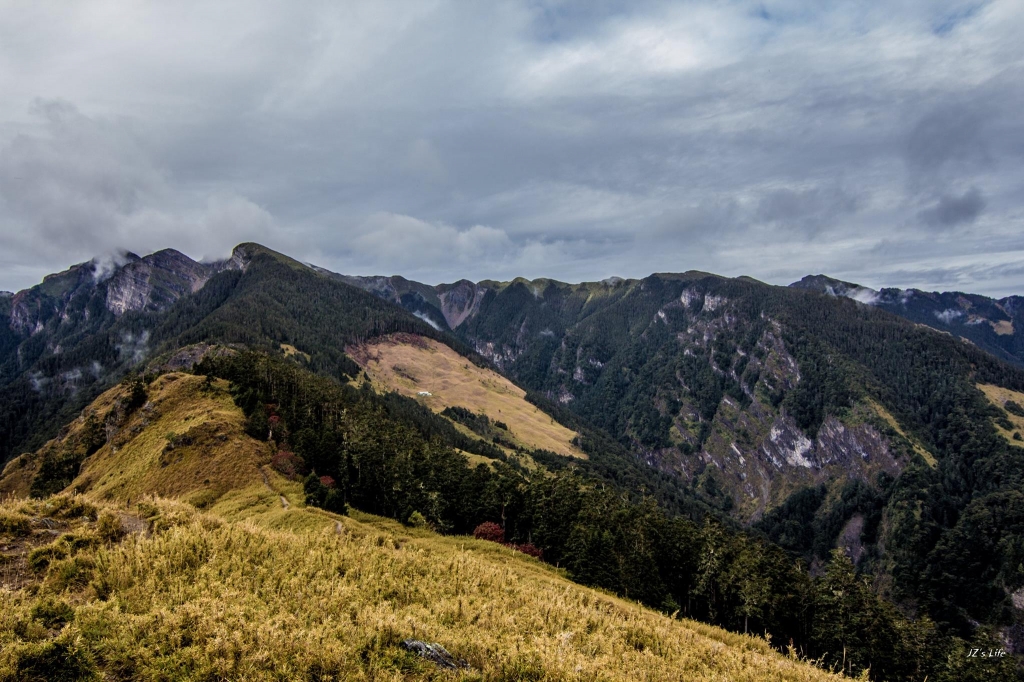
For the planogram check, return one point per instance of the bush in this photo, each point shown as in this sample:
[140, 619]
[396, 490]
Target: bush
[258, 425]
[417, 520]
[1014, 408]
[53, 660]
[14, 524]
[288, 464]
[52, 613]
[137, 397]
[70, 507]
[529, 549]
[71, 574]
[108, 527]
[40, 557]
[320, 495]
[490, 531]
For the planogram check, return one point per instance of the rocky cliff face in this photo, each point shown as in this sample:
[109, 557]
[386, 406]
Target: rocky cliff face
[454, 303]
[157, 281]
[460, 301]
[152, 283]
[54, 299]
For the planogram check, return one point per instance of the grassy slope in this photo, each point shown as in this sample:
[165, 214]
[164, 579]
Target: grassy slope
[264, 592]
[261, 587]
[186, 442]
[410, 364]
[998, 397]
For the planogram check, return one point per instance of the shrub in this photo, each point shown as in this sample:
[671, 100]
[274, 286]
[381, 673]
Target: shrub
[14, 524]
[70, 507]
[53, 660]
[1014, 408]
[320, 495]
[529, 549]
[488, 530]
[136, 397]
[288, 464]
[108, 527]
[71, 574]
[52, 613]
[417, 520]
[40, 557]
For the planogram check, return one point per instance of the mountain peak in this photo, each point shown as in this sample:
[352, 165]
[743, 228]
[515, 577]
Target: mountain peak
[246, 252]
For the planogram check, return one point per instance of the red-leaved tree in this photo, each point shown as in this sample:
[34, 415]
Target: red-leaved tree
[488, 530]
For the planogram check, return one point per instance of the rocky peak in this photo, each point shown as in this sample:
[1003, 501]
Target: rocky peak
[461, 301]
[155, 281]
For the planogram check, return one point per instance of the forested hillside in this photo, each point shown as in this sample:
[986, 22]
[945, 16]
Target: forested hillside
[351, 448]
[824, 421]
[994, 325]
[749, 450]
[71, 337]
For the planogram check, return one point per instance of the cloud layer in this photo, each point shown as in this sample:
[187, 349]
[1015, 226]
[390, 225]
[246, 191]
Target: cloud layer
[881, 144]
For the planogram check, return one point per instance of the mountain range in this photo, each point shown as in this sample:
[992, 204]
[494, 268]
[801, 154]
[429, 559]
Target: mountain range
[819, 418]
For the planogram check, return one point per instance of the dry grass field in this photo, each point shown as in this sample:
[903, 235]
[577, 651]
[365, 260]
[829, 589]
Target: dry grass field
[186, 442]
[124, 583]
[412, 365]
[191, 445]
[260, 592]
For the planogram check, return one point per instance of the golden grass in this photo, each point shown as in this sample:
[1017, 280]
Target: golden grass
[887, 417]
[997, 395]
[412, 364]
[254, 589]
[290, 350]
[201, 597]
[1002, 327]
[16, 478]
[187, 442]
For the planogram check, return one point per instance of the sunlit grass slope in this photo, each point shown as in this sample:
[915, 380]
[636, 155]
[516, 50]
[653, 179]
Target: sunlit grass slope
[412, 365]
[118, 584]
[300, 594]
[188, 441]
[999, 396]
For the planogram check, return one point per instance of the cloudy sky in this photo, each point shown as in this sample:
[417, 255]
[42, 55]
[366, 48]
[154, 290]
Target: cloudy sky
[880, 142]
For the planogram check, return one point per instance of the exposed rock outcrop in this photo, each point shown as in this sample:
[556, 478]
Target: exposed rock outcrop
[155, 281]
[461, 301]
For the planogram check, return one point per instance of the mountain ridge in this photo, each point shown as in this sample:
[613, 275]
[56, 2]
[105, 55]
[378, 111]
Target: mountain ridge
[823, 424]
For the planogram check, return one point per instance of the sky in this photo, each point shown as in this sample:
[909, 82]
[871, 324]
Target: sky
[878, 142]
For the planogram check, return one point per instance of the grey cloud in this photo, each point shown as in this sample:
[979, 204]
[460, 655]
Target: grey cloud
[952, 210]
[948, 134]
[81, 187]
[808, 209]
[568, 139]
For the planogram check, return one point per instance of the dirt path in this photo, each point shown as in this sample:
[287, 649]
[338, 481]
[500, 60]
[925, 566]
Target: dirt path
[266, 482]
